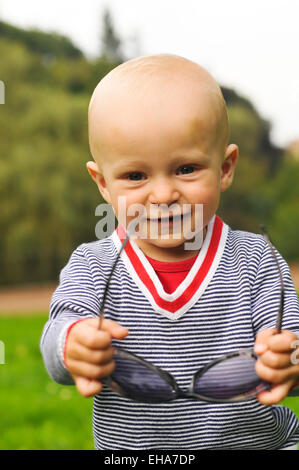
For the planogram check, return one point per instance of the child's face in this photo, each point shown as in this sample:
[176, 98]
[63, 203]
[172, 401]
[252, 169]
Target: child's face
[163, 150]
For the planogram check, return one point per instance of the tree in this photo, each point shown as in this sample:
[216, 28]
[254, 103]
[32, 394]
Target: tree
[284, 217]
[252, 131]
[111, 43]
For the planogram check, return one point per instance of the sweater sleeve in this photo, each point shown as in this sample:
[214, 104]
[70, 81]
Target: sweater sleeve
[74, 299]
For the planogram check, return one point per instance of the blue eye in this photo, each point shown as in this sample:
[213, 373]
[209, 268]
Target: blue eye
[186, 169]
[135, 176]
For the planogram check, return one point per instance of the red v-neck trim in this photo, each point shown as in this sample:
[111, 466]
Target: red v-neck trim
[182, 298]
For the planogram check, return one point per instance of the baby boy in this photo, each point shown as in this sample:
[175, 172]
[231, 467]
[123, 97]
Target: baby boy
[159, 136]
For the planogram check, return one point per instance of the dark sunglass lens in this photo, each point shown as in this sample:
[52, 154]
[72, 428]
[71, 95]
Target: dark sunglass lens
[229, 378]
[138, 382]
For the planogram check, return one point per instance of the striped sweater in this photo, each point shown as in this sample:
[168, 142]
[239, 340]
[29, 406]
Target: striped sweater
[231, 292]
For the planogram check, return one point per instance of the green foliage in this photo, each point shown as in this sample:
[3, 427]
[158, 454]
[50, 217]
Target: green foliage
[244, 205]
[250, 131]
[283, 219]
[246, 129]
[265, 187]
[47, 199]
[49, 45]
[256, 198]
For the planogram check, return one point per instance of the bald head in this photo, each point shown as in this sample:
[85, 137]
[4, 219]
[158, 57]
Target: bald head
[154, 92]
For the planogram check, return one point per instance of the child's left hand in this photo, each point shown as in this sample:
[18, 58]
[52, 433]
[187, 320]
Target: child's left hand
[276, 363]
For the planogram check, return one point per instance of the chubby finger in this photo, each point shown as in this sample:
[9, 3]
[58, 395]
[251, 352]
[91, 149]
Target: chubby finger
[262, 339]
[275, 360]
[87, 332]
[78, 352]
[275, 376]
[88, 387]
[90, 371]
[276, 394]
[286, 341]
[116, 330]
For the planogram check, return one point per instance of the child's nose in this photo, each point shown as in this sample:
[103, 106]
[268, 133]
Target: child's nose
[163, 191]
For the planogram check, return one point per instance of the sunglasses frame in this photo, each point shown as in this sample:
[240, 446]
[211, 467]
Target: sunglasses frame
[177, 392]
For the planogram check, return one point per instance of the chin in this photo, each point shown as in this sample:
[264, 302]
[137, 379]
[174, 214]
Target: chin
[167, 243]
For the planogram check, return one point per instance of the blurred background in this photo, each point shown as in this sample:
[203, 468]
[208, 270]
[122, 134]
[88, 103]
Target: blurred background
[52, 55]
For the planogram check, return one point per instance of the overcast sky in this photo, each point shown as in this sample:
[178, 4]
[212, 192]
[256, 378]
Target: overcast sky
[250, 45]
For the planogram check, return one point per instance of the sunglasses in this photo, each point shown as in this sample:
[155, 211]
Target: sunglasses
[229, 378]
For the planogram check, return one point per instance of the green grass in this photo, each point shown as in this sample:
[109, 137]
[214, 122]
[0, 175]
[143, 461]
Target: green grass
[37, 413]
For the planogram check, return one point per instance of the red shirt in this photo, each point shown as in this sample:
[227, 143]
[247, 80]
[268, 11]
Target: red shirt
[171, 274]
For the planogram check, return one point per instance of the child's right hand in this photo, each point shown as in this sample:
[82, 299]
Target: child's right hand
[89, 354]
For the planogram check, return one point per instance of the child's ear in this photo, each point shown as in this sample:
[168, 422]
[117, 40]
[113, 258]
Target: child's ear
[228, 166]
[99, 179]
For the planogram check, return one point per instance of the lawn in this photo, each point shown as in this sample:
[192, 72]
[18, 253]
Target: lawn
[37, 413]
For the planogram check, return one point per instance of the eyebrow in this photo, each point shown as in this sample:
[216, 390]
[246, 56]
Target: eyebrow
[129, 166]
[190, 156]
